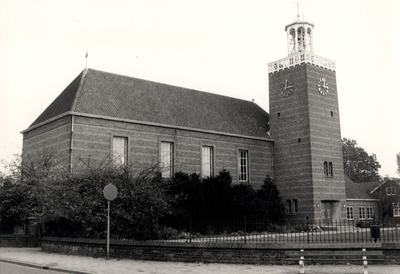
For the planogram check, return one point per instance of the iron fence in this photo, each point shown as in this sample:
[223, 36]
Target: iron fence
[244, 231]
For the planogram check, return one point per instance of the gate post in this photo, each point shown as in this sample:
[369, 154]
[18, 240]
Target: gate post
[301, 261]
[365, 262]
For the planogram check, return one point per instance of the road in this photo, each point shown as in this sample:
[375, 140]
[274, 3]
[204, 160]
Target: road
[7, 268]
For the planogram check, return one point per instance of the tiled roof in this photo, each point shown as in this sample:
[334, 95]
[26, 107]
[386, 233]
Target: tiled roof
[110, 95]
[389, 181]
[359, 190]
[63, 103]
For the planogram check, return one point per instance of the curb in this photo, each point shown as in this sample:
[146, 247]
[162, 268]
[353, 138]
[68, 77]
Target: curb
[37, 266]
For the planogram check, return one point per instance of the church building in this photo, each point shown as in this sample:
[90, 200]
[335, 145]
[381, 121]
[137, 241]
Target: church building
[104, 118]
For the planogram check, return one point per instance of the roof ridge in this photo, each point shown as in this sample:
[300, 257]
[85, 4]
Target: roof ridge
[84, 72]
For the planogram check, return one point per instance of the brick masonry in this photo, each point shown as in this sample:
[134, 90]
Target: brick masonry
[215, 252]
[52, 138]
[81, 139]
[306, 129]
[14, 240]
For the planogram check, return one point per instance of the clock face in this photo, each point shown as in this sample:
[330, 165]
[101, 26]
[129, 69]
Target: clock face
[323, 87]
[287, 88]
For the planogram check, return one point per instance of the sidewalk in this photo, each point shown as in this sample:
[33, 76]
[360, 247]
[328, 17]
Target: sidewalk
[79, 264]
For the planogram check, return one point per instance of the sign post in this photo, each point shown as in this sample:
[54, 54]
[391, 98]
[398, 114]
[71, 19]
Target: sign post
[110, 192]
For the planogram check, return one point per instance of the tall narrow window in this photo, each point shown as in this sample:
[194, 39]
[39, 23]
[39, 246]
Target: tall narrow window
[292, 206]
[328, 169]
[167, 159]
[295, 208]
[289, 206]
[369, 212]
[120, 150]
[243, 166]
[350, 214]
[207, 161]
[361, 212]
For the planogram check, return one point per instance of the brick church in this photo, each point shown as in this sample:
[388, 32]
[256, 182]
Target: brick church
[104, 117]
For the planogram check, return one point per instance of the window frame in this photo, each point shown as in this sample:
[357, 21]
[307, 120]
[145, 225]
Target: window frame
[396, 209]
[292, 206]
[167, 172]
[209, 161]
[289, 206]
[114, 152]
[369, 212]
[328, 169]
[362, 213]
[240, 166]
[350, 213]
[391, 191]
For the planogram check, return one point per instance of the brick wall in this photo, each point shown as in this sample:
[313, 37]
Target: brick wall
[356, 204]
[93, 138]
[82, 139]
[214, 252]
[178, 252]
[14, 240]
[52, 138]
[306, 129]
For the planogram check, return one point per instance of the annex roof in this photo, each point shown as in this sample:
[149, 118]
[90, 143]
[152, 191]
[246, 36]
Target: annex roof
[384, 182]
[359, 190]
[111, 95]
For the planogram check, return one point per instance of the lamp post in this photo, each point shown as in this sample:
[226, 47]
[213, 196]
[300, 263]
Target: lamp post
[110, 193]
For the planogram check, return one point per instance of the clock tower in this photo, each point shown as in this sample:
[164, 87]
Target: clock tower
[304, 122]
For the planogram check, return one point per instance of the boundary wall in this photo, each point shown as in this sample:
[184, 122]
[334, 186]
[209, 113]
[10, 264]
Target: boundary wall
[14, 240]
[210, 252]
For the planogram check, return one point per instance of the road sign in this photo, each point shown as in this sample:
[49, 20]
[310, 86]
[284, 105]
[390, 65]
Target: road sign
[110, 192]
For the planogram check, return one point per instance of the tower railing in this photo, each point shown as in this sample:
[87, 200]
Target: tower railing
[300, 58]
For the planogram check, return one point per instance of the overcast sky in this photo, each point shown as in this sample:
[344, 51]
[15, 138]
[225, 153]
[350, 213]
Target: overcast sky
[216, 46]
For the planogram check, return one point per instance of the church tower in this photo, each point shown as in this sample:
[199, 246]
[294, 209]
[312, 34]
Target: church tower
[304, 122]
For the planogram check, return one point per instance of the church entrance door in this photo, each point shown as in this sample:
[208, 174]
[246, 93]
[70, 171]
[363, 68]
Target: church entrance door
[330, 211]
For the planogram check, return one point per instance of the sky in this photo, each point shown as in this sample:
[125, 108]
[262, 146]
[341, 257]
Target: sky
[220, 46]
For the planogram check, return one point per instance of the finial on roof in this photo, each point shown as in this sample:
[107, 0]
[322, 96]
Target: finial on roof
[86, 56]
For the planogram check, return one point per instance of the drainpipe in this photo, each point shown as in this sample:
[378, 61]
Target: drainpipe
[71, 143]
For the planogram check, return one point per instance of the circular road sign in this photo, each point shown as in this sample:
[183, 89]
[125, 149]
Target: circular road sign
[110, 192]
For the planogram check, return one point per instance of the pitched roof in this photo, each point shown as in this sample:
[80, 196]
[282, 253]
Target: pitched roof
[386, 181]
[110, 95]
[359, 190]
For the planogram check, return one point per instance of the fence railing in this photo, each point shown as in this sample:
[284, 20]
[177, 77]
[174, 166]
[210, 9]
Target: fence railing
[246, 231]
